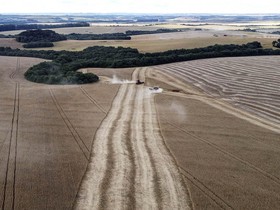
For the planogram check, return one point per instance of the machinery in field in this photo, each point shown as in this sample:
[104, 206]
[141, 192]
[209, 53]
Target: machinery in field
[138, 82]
[154, 88]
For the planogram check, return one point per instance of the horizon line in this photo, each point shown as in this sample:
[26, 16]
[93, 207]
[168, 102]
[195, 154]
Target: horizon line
[129, 13]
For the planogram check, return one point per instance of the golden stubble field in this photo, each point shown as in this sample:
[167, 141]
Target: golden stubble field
[46, 135]
[229, 157]
[188, 147]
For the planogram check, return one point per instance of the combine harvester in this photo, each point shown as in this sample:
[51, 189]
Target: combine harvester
[139, 82]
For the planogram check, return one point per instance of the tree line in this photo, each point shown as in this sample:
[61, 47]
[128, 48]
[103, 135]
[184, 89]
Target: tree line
[158, 31]
[13, 27]
[39, 36]
[117, 36]
[276, 43]
[64, 65]
[112, 36]
[40, 44]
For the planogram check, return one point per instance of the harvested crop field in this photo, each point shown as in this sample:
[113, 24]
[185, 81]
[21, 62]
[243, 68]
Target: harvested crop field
[10, 42]
[227, 162]
[228, 157]
[116, 145]
[251, 83]
[46, 137]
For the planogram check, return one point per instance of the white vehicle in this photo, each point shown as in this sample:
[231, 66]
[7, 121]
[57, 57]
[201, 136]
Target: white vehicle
[154, 88]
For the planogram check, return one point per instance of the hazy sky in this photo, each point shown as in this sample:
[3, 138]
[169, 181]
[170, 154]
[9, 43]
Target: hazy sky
[141, 6]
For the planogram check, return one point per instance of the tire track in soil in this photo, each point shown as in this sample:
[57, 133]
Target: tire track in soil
[125, 139]
[206, 190]
[273, 178]
[12, 75]
[9, 191]
[93, 100]
[71, 128]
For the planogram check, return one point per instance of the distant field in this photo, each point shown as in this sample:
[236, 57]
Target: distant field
[152, 45]
[95, 29]
[191, 38]
[10, 43]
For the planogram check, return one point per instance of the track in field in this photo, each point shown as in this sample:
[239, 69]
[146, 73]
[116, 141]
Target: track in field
[138, 171]
[80, 142]
[9, 190]
[85, 93]
[203, 187]
[252, 83]
[12, 75]
[273, 178]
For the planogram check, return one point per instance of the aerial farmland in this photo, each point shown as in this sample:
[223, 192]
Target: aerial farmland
[182, 115]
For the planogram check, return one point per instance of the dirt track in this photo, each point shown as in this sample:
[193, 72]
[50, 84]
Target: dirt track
[139, 171]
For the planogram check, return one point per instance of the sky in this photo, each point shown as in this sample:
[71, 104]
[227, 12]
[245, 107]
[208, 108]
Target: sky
[140, 6]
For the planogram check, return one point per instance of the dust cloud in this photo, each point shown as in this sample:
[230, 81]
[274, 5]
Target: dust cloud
[116, 80]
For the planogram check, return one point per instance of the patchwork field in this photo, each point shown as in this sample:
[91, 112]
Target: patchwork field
[208, 140]
[155, 42]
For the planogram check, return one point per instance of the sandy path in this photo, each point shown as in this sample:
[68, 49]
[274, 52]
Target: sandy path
[130, 165]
